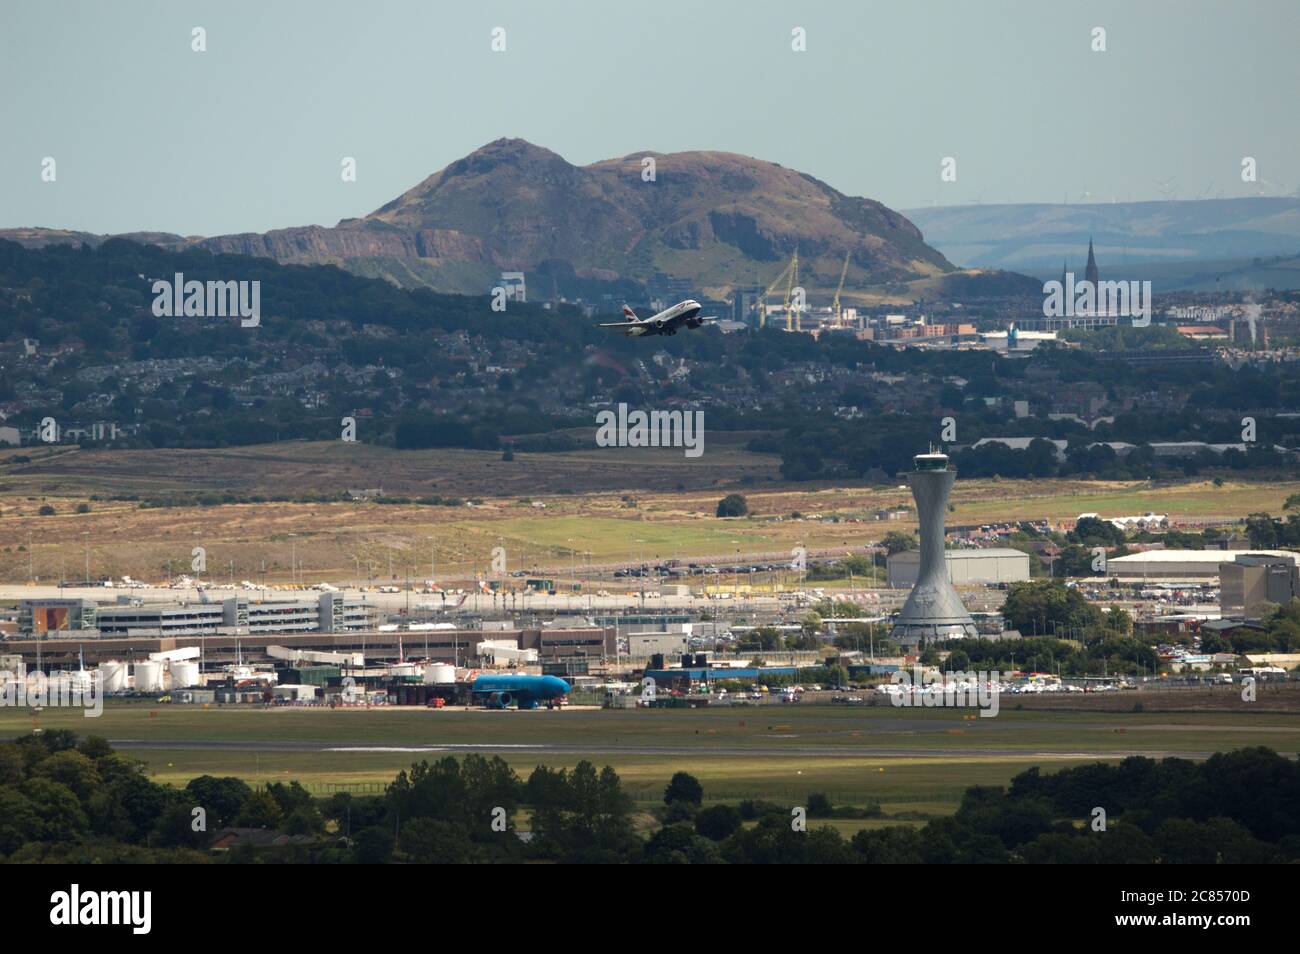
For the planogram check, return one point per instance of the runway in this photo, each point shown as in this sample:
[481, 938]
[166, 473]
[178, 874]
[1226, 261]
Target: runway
[557, 748]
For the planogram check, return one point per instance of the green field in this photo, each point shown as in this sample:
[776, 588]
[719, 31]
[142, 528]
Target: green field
[914, 763]
[613, 540]
[596, 507]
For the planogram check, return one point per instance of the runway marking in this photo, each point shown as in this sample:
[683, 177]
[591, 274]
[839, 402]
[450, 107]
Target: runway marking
[450, 747]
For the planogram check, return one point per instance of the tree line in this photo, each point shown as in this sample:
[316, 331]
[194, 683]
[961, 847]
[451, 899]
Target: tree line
[79, 801]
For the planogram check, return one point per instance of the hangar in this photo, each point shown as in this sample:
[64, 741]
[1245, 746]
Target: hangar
[985, 565]
[1200, 566]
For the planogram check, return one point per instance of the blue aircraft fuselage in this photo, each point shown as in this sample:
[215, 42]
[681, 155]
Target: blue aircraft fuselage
[500, 692]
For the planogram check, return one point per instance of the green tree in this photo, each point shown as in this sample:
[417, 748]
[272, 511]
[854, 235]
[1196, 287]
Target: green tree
[1262, 530]
[678, 844]
[957, 661]
[897, 541]
[1042, 607]
[434, 841]
[819, 806]
[372, 846]
[717, 821]
[582, 816]
[221, 798]
[72, 769]
[19, 821]
[259, 811]
[733, 505]
[684, 787]
[1094, 531]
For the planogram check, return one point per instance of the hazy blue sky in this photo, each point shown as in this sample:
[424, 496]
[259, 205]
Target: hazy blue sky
[249, 135]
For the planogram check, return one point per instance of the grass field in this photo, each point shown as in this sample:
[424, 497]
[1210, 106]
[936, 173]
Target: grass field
[915, 763]
[600, 508]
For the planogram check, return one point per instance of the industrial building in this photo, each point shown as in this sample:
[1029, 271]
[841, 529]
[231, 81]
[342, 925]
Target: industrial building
[647, 622]
[326, 613]
[1184, 566]
[1253, 580]
[645, 645]
[990, 565]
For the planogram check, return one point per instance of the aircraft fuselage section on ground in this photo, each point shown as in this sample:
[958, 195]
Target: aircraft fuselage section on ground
[526, 692]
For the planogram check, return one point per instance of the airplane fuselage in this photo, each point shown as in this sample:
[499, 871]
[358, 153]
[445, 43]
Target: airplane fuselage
[667, 322]
[526, 692]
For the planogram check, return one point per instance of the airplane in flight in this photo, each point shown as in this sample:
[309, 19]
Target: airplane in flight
[684, 314]
[526, 692]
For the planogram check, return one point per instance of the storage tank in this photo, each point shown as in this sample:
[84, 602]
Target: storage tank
[114, 676]
[439, 674]
[149, 677]
[184, 673]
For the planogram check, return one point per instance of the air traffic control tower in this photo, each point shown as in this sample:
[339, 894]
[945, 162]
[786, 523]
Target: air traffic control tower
[933, 609]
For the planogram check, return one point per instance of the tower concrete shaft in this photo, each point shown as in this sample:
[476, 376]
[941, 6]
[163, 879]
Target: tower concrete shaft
[933, 609]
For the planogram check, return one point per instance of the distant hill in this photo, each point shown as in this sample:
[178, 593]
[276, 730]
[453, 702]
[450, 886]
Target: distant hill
[1217, 234]
[1278, 273]
[710, 221]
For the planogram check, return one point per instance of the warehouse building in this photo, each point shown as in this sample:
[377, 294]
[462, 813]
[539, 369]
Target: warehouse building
[989, 565]
[1183, 566]
[646, 622]
[645, 645]
[1252, 580]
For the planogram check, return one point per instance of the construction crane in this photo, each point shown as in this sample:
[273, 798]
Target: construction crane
[792, 317]
[790, 276]
[839, 322]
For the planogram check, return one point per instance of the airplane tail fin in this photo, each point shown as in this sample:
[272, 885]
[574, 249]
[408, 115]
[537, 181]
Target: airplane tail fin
[628, 313]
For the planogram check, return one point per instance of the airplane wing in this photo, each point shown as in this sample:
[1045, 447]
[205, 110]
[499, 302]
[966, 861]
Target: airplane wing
[630, 320]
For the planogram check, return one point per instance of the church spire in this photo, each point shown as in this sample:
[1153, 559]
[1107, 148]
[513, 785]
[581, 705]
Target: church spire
[1090, 273]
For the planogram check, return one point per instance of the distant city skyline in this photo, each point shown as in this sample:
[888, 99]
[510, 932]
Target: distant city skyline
[148, 134]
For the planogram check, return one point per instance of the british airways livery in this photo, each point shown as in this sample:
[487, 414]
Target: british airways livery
[684, 314]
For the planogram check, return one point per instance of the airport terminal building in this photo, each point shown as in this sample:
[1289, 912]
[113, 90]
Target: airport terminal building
[322, 613]
[563, 651]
